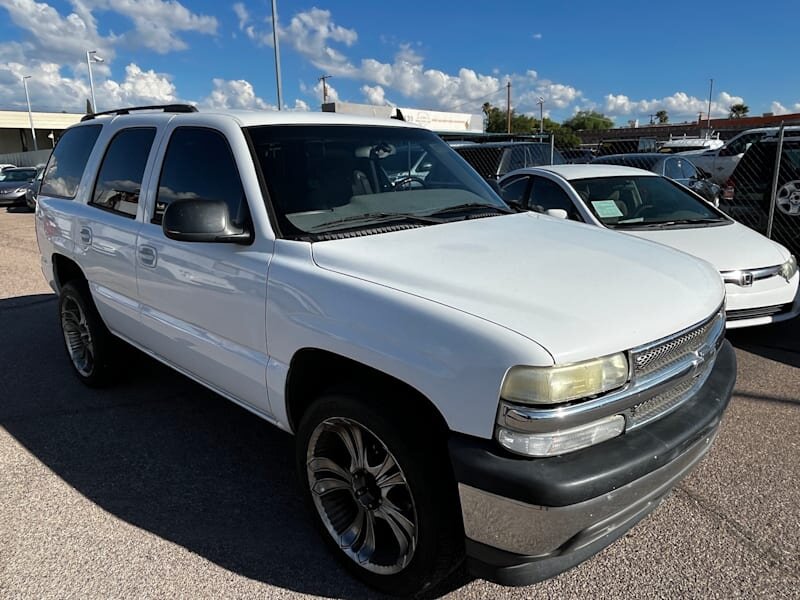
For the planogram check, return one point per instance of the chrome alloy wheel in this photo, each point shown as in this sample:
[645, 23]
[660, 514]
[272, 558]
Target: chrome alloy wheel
[788, 198]
[362, 495]
[78, 337]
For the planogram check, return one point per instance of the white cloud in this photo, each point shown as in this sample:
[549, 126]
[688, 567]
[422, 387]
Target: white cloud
[156, 22]
[237, 94]
[314, 35]
[139, 88]
[779, 109]
[375, 95]
[537, 36]
[678, 105]
[333, 94]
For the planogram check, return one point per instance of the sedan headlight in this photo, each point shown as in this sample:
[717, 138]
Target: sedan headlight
[21, 190]
[789, 268]
[551, 385]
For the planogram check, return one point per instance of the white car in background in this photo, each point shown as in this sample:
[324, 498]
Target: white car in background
[720, 162]
[761, 276]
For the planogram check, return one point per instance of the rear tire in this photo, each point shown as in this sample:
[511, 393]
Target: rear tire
[90, 347]
[381, 490]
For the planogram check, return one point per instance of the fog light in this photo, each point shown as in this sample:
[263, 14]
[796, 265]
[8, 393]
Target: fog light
[554, 443]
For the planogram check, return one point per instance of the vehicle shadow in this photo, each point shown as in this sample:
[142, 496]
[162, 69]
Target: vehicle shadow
[18, 208]
[779, 342]
[166, 455]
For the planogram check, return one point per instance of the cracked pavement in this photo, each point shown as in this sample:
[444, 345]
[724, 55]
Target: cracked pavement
[159, 488]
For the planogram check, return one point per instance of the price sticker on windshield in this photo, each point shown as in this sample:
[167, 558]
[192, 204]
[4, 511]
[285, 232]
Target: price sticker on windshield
[606, 209]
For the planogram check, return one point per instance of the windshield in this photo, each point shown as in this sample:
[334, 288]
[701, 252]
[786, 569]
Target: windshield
[324, 178]
[643, 202]
[26, 175]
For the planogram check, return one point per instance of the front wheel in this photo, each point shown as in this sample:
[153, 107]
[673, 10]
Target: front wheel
[381, 495]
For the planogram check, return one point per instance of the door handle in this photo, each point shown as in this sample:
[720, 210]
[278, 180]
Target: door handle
[86, 235]
[148, 256]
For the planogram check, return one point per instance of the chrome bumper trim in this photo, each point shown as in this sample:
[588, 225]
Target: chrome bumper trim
[536, 531]
[694, 365]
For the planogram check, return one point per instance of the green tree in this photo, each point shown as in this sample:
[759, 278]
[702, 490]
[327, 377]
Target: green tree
[662, 116]
[588, 119]
[496, 121]
[737, 111]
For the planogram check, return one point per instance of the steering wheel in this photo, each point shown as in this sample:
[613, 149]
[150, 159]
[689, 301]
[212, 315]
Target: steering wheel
[409, 182]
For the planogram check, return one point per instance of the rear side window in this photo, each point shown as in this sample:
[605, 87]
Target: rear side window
[199, 164]
[68, 161]
[120, 180]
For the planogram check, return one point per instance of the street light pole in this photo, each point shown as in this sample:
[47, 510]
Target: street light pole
[91, 56]
[277, 53]
[541, 114]
[30, 114]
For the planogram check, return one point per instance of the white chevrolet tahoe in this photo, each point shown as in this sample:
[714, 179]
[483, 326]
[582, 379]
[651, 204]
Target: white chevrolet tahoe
[462, 382]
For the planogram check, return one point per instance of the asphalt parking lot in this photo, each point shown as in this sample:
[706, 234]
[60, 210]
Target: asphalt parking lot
[157, 488]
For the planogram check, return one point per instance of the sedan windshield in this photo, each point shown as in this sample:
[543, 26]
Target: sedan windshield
[18, 175]
[644, 202]
[324, 178]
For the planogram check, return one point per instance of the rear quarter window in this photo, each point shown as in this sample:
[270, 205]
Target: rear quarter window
[68, 161]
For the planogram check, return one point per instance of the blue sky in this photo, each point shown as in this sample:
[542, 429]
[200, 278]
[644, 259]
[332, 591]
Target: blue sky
[625, 59]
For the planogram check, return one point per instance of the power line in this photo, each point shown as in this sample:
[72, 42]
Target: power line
[473, 101]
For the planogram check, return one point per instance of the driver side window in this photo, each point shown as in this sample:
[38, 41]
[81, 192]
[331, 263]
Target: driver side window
[199, 164]
[547, 194]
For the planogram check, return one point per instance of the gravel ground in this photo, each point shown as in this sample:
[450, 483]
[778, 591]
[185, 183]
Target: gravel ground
[160, 489]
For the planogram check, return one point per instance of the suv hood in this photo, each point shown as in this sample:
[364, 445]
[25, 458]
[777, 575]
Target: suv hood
[578, 291]
[727, 247]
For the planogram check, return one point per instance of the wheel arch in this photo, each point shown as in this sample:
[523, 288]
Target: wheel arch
[65, 270]
[313, 371]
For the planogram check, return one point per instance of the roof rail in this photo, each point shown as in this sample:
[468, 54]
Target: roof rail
[172, 108]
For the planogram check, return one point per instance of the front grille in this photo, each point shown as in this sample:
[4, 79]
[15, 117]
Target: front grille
[761, 311]
[665, 353]
[665, 402]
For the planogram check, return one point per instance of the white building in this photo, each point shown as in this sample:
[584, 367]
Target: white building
[15, 129]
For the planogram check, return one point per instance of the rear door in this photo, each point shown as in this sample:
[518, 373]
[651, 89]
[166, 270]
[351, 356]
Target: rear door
[107, 227]
[204, 304]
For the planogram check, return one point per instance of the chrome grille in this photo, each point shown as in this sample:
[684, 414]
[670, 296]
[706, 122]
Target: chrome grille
[664, 403]
[665, 353]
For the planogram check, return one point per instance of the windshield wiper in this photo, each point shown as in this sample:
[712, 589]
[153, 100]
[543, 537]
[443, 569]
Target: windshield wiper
[378, 217]
[657, 224]
[469, 206]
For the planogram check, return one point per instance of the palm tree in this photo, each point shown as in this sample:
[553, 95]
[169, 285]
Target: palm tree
[737, 111]
[662, 116]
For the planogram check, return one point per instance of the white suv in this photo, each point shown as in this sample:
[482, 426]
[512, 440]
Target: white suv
[462, 381]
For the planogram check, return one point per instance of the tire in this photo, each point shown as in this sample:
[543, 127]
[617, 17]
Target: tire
[414, 516]
[90, 347]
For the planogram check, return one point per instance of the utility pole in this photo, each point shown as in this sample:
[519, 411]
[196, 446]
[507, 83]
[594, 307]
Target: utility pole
[508, 105]
[30, 114]
[710, 91]
[324, 80]
[277, 54]
[540, 102]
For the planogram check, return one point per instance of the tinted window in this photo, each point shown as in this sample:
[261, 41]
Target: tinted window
[672, 169]
[66, 165]
[120, 179]
[689, 172]
[199, 164]
[515, 191]
[548, 194]
[739, 145]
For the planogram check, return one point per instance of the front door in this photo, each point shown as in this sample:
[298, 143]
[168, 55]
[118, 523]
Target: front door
[204, 304]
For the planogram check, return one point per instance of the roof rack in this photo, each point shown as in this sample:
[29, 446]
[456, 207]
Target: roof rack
[171, 108]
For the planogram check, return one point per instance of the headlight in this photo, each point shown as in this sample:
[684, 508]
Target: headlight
[20, 190]
[551, 385]
[789, 268]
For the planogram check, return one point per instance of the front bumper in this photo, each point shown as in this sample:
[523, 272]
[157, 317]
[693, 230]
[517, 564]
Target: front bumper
[529, 519]
[12, 199]
[772, 301]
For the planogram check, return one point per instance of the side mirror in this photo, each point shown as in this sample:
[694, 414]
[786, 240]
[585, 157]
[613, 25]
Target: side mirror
[558, 213]
[195, 220]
